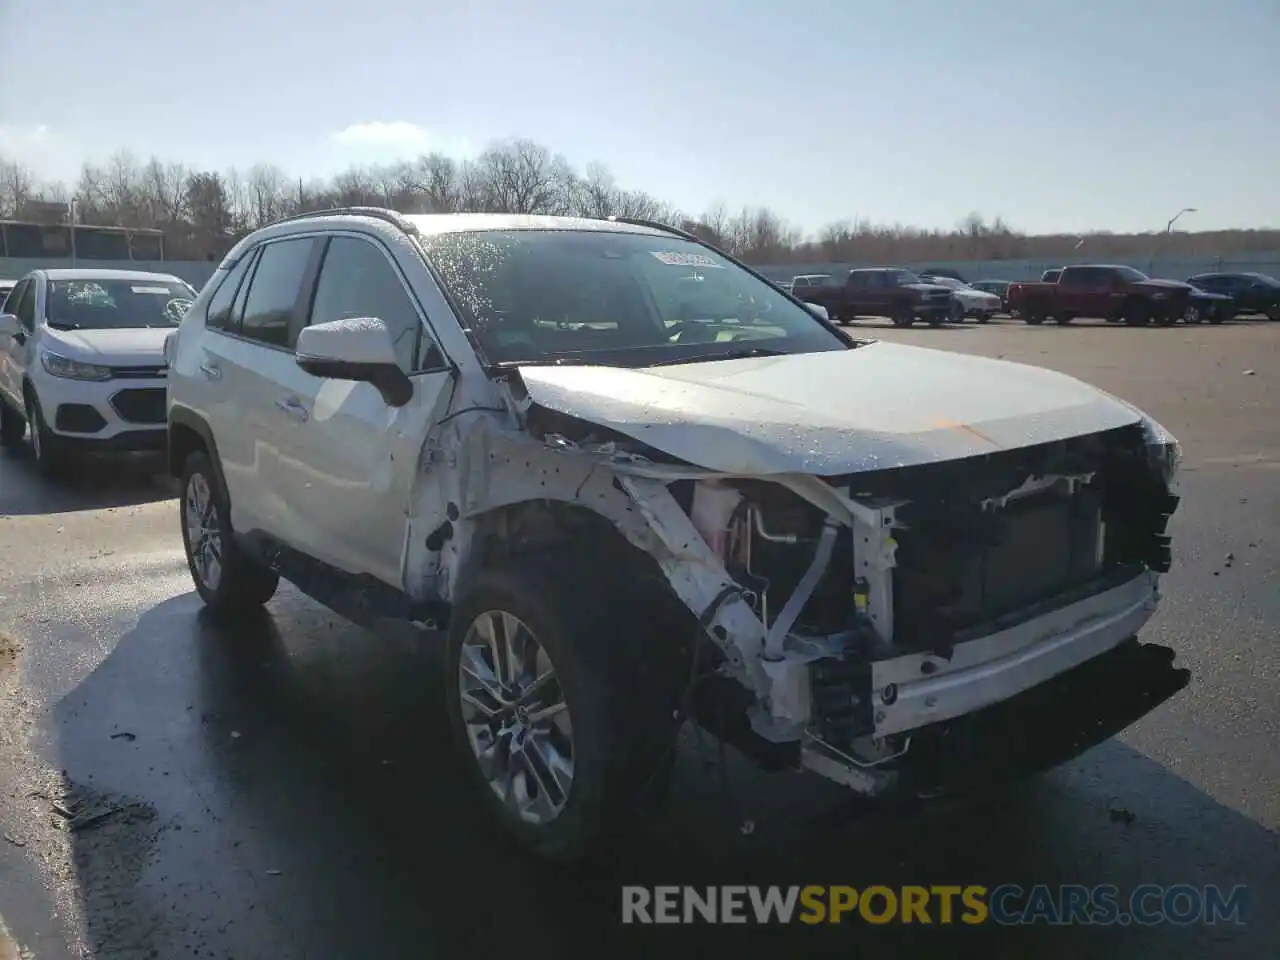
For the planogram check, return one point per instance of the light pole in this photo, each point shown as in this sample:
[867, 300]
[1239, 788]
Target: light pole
[1168, 227]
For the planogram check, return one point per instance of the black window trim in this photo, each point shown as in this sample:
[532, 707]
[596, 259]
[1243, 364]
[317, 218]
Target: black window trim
[445, 365]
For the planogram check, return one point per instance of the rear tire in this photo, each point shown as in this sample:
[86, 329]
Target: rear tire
[903, 316]
[13, 427]
[1063, 319]
[1033, 313]
[229, 581]
[956, 312]
[571, 784]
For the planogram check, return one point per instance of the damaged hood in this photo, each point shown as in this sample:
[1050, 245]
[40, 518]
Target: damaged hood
[876, 407]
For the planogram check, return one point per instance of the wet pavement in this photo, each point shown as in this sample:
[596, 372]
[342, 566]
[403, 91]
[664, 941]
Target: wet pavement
[172, 789]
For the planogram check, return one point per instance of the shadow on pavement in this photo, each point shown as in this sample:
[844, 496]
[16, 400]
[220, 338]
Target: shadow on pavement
[286, 789]
[90, 484]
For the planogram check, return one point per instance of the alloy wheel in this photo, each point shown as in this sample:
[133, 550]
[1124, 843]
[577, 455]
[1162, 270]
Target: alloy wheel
[516, 718]
[204, 539]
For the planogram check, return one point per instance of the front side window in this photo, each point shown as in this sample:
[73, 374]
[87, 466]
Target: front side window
[901, 278]
[274, 290]
[116, 303]
[13, 297]
[357, 280]
[614, 298]
[26, 307]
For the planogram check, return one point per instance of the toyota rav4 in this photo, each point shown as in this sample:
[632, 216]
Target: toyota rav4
[634, 483]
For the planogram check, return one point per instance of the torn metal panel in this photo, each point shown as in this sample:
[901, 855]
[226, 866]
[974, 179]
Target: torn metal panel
[875, 408]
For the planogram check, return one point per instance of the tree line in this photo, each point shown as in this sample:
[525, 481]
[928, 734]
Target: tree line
[203, 212]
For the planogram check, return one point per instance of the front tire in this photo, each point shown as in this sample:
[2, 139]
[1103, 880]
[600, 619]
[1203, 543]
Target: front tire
[561, 717]
[956, 312]
[229, 581]
[50, 457]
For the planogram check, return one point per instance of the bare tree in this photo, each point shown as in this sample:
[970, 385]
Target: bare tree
[524, 177]
[266, 188]
[17, 186]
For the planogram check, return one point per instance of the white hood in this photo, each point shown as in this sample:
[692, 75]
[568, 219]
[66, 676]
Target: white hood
[131, 347]
[872, 408]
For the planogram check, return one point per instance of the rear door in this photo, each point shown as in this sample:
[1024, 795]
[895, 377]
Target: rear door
[1085, 291]
[248, 359]
[347, 468]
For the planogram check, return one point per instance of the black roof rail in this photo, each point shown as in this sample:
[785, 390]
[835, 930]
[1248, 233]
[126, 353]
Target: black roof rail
[377, 213]
[656, 225]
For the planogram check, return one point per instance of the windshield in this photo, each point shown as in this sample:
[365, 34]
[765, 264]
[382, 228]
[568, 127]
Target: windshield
[116, 304]
[900, 278]
[948, 282]
[614, 298]
[1130, 275]
[1263, 279]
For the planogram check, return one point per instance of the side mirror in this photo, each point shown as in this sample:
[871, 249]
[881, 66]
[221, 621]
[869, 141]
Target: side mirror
[9, 324]
[359, 349]
[818, 310]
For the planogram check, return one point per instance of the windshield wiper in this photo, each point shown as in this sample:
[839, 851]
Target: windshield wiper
[61, 325]
[720, 355]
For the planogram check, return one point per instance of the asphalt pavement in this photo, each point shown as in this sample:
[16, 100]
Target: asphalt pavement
[285, 790]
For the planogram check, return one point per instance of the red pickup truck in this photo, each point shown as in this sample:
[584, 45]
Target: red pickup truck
[1113, 292]
[889, 292]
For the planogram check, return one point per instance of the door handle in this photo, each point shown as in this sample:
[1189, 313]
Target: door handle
[294, 408]
[212, 371]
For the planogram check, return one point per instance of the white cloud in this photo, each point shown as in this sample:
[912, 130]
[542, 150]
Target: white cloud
[397, 138]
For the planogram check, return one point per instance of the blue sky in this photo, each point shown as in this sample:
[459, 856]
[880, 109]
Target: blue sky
[1054, 116]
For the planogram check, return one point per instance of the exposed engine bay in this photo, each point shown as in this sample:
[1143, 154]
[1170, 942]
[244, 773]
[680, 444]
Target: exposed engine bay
[864, 625]
[945, 555]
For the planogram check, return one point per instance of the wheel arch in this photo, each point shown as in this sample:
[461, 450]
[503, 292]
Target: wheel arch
[189, 433]
[588, 542]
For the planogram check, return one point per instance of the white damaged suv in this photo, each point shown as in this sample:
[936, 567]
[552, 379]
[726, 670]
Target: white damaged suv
[635, 483]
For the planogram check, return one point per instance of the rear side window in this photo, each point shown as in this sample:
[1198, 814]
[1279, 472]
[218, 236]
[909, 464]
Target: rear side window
[220, 315]
[274, 292]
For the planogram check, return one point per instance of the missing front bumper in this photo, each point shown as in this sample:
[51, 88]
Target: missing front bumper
[1041, 728]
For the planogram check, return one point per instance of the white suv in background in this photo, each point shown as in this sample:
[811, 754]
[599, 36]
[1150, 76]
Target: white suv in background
[82, 361]
[635, 482]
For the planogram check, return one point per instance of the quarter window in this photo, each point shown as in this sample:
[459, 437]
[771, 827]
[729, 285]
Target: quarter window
[220, 315]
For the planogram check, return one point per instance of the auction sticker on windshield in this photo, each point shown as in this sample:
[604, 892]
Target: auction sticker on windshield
[685, 259]
[158, 291]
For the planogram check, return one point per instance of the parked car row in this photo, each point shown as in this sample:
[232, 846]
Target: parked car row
[1118, 294]
[1121, 294]
[705, 504]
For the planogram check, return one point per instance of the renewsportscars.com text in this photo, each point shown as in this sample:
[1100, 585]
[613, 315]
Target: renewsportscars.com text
[1008, 904]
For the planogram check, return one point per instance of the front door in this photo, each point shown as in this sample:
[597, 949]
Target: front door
[346, 473]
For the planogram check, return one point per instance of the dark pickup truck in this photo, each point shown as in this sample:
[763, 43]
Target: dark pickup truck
[1113, 292]
[881, 292]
